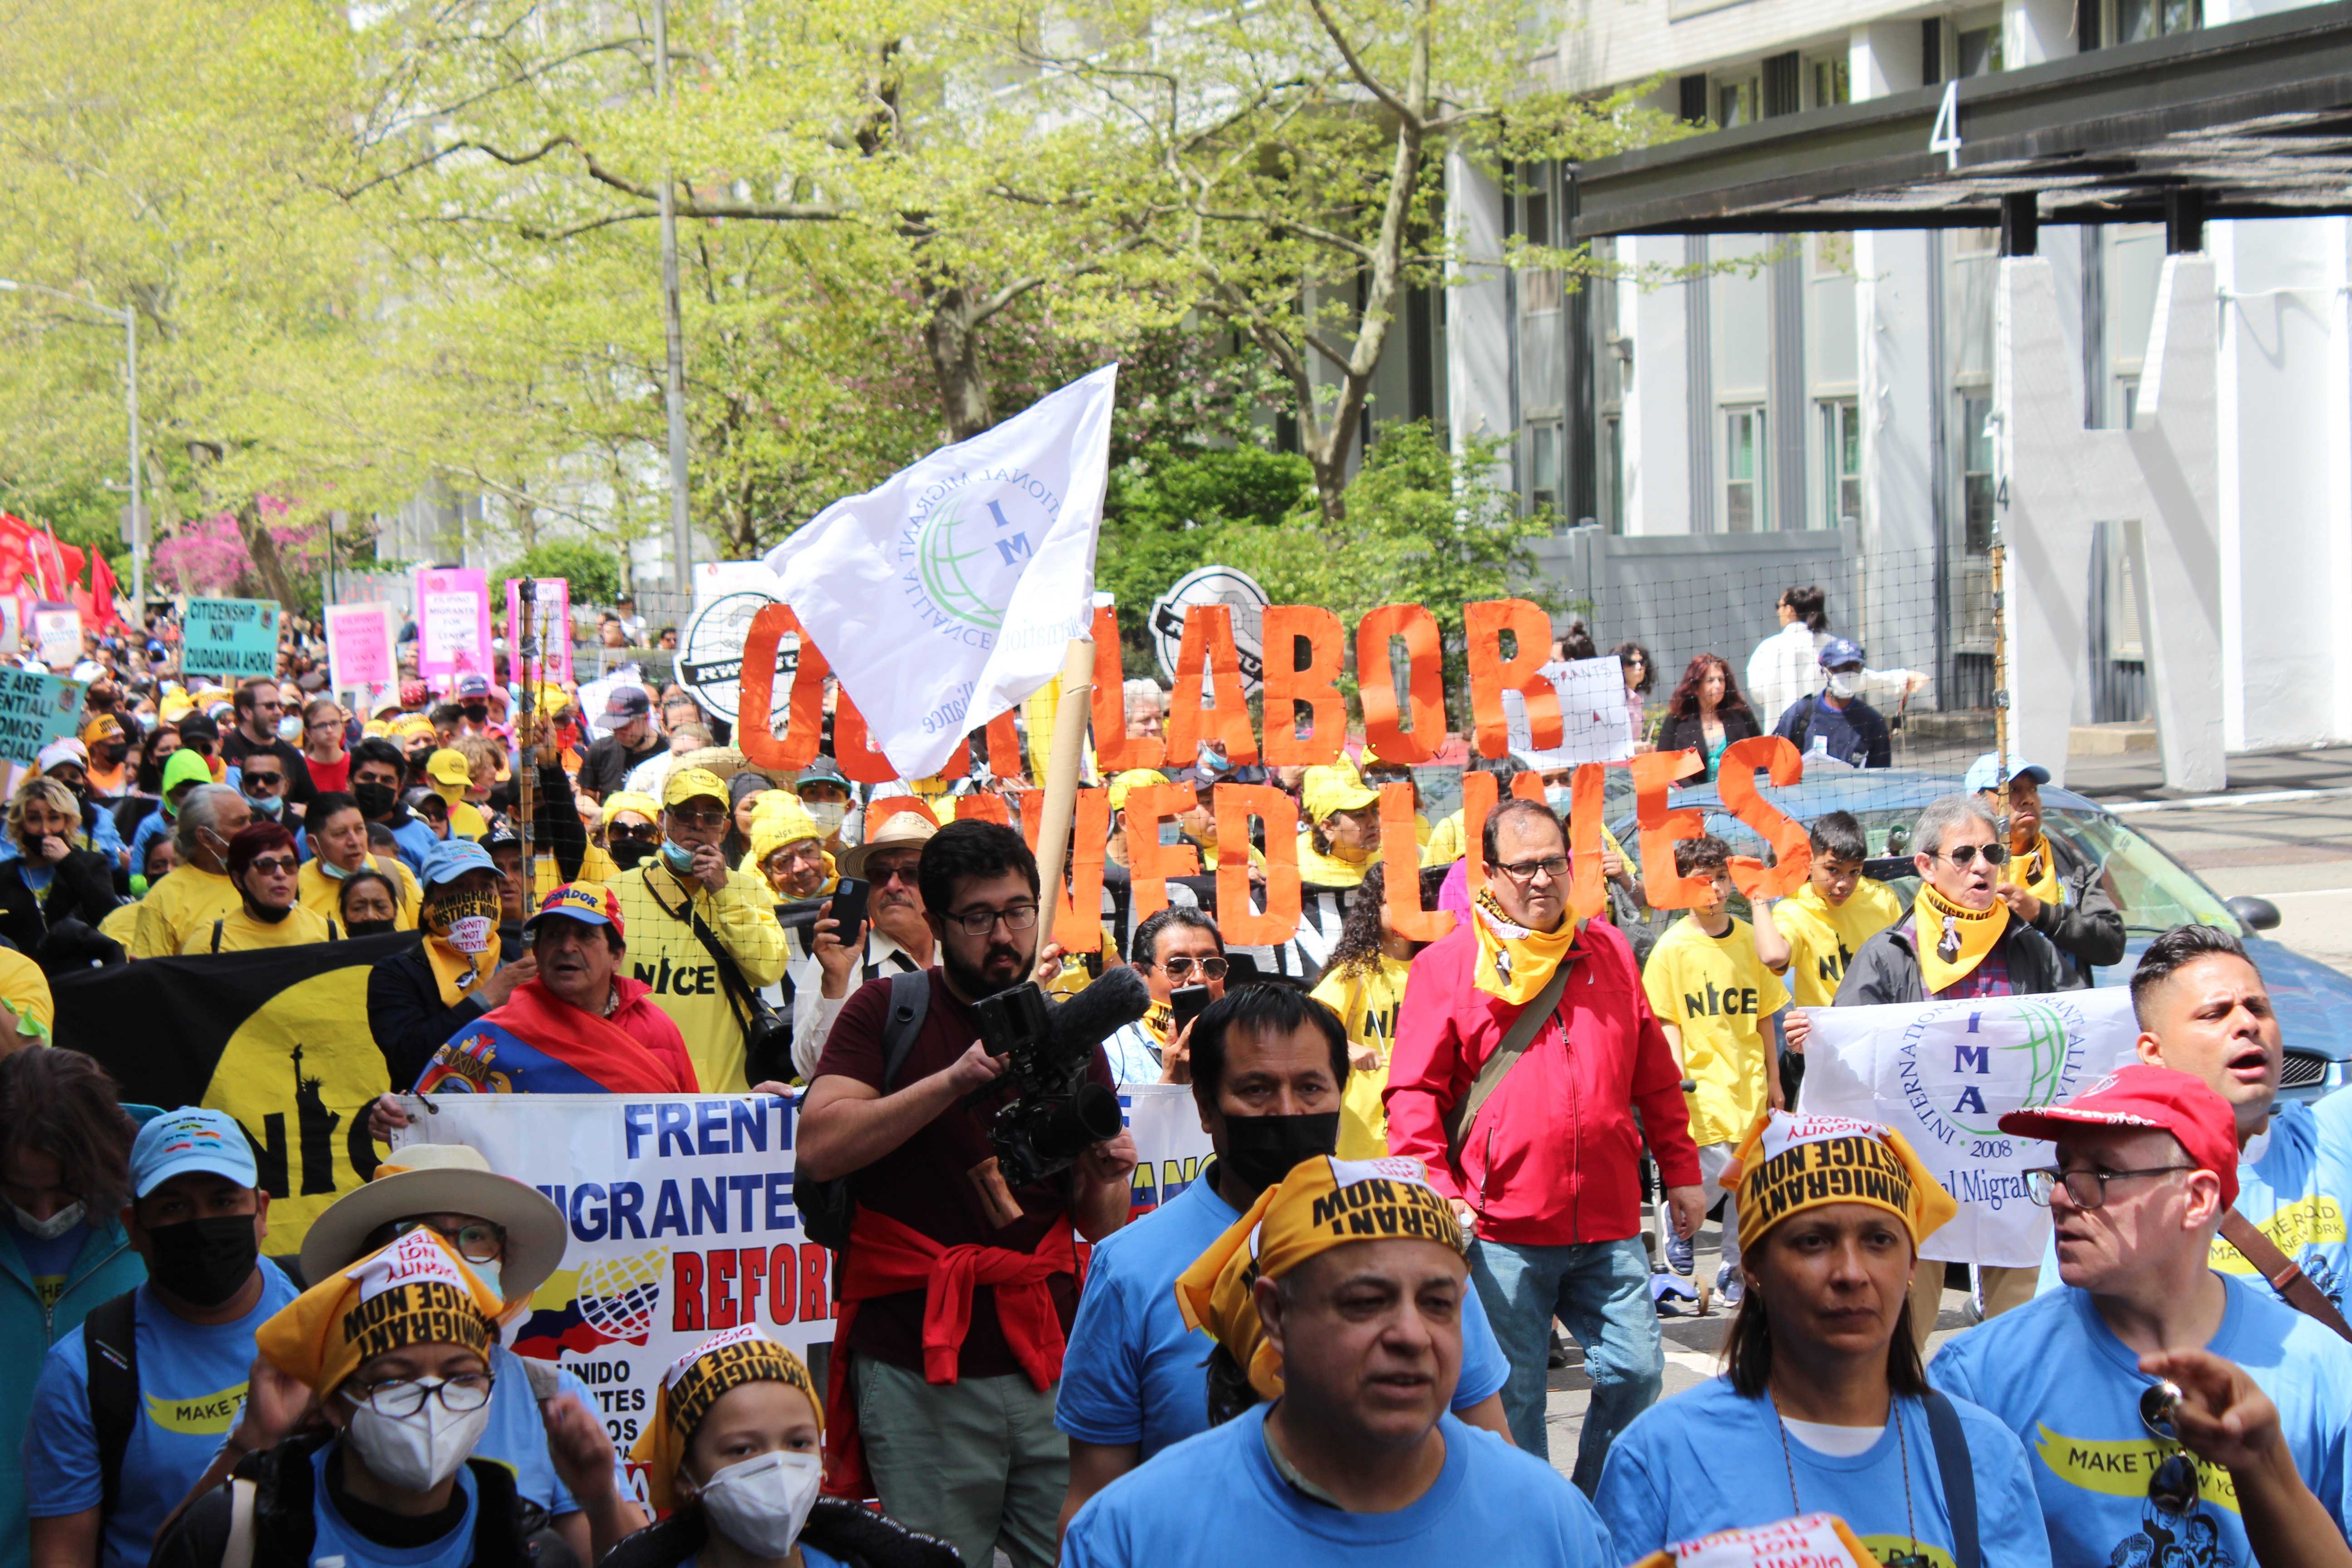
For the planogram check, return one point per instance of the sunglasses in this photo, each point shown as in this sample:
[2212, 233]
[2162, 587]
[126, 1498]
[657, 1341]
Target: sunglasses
[632, 833]
[2173, 1487]
[275, 865]
[259, 783]
[1180, 969]
[697, 818]
[1960, 854]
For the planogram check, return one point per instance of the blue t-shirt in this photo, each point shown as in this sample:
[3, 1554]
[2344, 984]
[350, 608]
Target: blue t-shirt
[1134, 1373]
[1216, 1500]
[2294, 1188]
[191, 1382]
[517, 1434]
[49, 1262]
[2056, 1374]
[337, 1542]
[1701, 1461]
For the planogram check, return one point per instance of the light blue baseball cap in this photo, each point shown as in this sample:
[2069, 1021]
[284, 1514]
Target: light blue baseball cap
[452, 857]
[1985, 774]
[191, 1139]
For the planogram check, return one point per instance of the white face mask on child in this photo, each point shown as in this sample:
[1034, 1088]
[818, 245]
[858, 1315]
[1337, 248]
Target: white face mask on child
[761, 1503]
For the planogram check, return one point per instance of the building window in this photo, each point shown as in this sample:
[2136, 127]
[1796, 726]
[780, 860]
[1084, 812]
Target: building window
[1980, 48]
[1841, 462]
[1746, 506]
[1832, 81]
[2137, 19]
[1738, 102]
[1976, 472]
[1543, 465]
[1538, 291]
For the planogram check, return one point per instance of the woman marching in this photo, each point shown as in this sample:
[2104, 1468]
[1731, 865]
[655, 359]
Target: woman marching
[1822, 1373]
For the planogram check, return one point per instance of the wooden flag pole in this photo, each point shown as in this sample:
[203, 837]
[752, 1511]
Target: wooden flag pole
[1062, 765]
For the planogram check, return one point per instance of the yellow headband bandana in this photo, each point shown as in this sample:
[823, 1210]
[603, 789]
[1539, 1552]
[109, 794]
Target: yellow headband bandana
[1324, 1202]
[416, 1291]
[1788, 1164]
[695, 1381]
[1952, 940]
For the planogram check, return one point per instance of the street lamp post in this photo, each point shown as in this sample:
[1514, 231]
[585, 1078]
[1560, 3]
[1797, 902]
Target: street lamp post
[129, 320]
[673, 332]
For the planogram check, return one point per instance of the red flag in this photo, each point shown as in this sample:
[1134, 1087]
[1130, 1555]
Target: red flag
[104, 590]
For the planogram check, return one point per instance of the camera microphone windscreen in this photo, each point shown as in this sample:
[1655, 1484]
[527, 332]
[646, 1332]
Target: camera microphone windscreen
[1118, 998]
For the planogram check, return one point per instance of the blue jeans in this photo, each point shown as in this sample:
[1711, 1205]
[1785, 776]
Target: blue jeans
[1601, 1290]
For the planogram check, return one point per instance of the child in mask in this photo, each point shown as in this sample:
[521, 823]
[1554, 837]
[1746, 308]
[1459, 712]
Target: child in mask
[731, 1456]
[397, 1349]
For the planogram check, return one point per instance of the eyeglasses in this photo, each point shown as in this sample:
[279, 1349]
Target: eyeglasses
[980, 923]
[808, 851]
[896, 871]
[2086, 1189]
[275, 865]
[479, 1242]
[697, 818]
[1211, 968]
[632, 833]
[1553, 866]
[401, 1397]
[1961, 854]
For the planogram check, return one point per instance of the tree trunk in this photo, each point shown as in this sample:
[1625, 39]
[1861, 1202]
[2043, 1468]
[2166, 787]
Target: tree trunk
[268, 566]
[526, 515]
[955, 364]
[1328, 459]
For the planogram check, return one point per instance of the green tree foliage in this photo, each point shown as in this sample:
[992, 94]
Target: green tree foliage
[594, 574]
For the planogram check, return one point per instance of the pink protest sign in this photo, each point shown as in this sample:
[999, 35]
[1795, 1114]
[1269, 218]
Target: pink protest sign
[551, 620]
[359, 645]
[453, 623]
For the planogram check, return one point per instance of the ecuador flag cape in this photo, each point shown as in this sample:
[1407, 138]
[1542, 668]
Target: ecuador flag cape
[278, 1037]
[538, 1044]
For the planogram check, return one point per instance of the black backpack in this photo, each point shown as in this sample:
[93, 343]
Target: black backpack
[827, 1207]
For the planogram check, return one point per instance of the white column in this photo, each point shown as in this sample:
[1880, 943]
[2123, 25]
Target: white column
[1478, 339]
[1657, 405]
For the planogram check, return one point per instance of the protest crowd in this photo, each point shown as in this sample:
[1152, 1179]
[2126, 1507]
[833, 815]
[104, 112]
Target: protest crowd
[1466, 1090]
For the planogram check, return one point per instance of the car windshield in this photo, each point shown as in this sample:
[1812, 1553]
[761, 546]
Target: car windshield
[2151, 891]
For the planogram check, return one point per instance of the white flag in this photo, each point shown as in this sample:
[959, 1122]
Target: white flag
[949, 591]
[1944, 1073]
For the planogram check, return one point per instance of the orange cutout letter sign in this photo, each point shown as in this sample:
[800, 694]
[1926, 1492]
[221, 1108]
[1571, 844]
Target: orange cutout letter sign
[1316, 684]
[1376, 683]
[1115, 750]
[805, 721]
[1654, 771]
[1150, 862]
[1088, 833]
[1400, 876]
[1235, 805]
[1491, 674]
[1734, 782]
[1208, 703]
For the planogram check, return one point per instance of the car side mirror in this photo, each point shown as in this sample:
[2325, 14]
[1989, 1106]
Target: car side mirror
[2254, 914]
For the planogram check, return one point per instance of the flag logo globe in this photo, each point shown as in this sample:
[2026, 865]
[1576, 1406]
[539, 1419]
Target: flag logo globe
[956, 568]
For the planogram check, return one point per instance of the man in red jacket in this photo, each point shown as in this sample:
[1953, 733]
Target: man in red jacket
[1540, 1157]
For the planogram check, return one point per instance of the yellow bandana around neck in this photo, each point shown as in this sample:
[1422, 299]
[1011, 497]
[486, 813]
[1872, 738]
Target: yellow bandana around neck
[1954, 940]
[1515, 963]
[2036, 871]
[1161, 1019]
[457, 972]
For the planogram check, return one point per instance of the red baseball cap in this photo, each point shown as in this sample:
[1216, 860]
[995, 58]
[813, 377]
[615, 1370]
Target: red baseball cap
[587, 902]
[2152, 1097]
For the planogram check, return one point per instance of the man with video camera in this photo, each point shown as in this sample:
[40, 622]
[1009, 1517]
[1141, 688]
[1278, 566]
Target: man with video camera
[955, 1432]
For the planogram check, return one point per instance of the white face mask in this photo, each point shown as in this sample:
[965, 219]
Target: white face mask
[49, 1229]
[472, 933]
[416, 1453]
[1843, 686]
[290, 728]
[761, 1504]
[829, 814]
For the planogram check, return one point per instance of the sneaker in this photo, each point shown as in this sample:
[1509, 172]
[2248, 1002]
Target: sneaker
[1558, 1358]
[1679, 1253]
[1730, 1286]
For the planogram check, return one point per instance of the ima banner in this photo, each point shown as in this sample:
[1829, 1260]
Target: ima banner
[275, 1037]
[1944, 1073]
[681, 1221]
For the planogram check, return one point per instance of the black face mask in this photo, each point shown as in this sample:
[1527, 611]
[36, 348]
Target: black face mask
[628, 854]
[370, 928]
[374, 799]
[115, 754]
[204, 1262]
[151, 778]
[476, 711]
[1261, 1150]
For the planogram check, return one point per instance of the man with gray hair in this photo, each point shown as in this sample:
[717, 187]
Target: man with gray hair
[185, 904]
[1959, 940]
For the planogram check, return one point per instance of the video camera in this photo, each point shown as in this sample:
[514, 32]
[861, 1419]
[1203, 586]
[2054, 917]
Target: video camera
[1059, 1112]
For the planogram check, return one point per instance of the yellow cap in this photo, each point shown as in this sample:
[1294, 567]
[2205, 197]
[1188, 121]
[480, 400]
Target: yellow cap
[621, 800]
[1133, 779]
[1336, 787]
[693, 784]
[448, 766]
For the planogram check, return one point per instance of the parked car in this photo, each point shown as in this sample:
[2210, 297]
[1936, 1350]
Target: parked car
[2153, 891]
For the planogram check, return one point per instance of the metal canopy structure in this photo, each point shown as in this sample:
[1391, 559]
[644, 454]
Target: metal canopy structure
[2253, 120]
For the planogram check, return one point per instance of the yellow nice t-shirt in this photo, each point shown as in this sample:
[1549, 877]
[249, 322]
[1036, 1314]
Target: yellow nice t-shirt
[1367, 1001]
[1717, 993]
[1822, 941]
